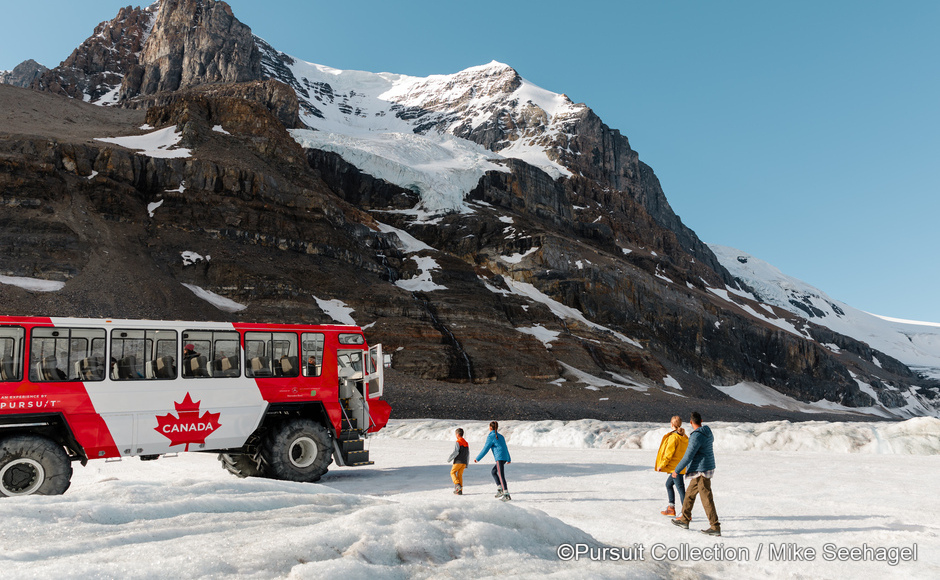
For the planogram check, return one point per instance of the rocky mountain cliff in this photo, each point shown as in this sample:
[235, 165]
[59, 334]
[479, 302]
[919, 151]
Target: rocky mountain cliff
[95, 70]
[193, 43]
[22, 74]
[460, 218]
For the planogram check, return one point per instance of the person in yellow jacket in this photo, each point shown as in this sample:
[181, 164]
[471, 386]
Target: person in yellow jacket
[671, 450]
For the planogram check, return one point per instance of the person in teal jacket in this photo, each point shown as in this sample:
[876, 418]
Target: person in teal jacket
[497, 443]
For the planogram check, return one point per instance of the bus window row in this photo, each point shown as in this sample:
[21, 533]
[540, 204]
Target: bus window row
[78, 354]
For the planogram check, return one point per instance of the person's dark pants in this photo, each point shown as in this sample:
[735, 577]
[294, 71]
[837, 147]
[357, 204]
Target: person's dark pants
[499, 474]
[679, 482]
[701, 485]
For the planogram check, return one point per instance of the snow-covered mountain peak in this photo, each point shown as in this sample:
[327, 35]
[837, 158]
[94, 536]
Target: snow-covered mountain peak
[772, 286]
[437, 134]
[470, 88]
[493, 65]
[916, 344]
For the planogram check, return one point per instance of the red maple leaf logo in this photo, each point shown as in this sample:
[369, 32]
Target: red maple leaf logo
[189, 427]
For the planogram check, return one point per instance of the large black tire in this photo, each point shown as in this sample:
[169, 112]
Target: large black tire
[297, 450]
[241, 464]
[30, 464]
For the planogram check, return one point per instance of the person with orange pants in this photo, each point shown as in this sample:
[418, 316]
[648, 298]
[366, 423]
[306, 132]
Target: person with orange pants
[460, 457]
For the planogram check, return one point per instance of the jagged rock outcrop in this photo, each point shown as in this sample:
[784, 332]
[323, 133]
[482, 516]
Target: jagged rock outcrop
[23, 74]
[193, 42]
[97, 68]
[170, 45]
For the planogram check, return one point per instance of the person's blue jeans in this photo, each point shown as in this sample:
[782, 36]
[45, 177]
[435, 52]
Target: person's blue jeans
[679, 482]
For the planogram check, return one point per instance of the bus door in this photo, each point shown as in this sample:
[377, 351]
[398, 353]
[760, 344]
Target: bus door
[351, 388]
[375, 372]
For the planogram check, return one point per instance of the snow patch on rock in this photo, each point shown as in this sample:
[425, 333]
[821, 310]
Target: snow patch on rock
[221, 302]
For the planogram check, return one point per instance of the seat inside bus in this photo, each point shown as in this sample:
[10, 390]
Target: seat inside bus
[49, 369]
[196, 367]
[286, 367]
[127, 368]
[160, 368]
[225, 367]
[89, 369]
[258, 367]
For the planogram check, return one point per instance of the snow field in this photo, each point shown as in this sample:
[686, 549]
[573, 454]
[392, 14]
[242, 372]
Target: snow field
[422, 282]
[442, 168]
[185, 517]
[761, 395]
[360, 122]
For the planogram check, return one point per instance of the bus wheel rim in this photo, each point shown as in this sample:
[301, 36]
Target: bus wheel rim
[21, 477]
[303, 452]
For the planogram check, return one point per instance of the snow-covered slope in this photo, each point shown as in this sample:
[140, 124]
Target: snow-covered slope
[427, 133]
[916, 344]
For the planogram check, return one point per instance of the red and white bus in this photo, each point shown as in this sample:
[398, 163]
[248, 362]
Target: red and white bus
[273, 400]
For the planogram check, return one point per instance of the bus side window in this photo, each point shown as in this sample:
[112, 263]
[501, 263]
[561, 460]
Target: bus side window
[138, 354]
[257, 361]
[66, 354]
[11, 353]
[271, 354]
[312, 346]
[211, 354]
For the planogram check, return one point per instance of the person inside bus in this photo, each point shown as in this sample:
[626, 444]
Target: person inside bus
[311, 366]
[189, 353]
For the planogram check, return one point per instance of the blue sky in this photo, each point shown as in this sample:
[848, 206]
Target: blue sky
[804, 133]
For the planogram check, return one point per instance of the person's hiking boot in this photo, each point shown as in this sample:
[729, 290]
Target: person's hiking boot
[505, 497]
[458, 490]
[670, 511]
[712, 532]
[681, 523]
[499, 493]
